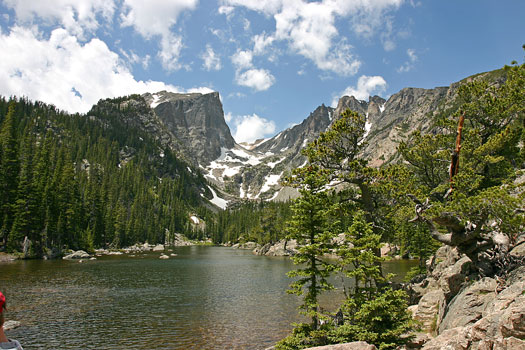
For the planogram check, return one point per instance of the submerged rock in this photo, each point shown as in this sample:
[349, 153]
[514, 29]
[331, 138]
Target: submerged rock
[8, 325]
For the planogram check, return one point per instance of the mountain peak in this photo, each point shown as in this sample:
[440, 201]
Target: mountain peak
[197, 120]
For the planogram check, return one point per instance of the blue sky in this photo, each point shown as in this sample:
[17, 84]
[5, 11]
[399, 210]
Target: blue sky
[273, 61]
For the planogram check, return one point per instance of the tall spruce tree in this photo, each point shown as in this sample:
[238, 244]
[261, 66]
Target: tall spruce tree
[312, 226]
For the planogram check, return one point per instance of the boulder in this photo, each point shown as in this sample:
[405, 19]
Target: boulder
[453, 277]
[262, 250]
[283, 248]
[158, 248]
[519, 250]
[389, 250]
[452, 339]
[493, 320]
[467, 307]
[164, 256]
[418, 341]
[79, 254]
[180, 240]
[8, 325]
[357, 345]
[430, 310]
[444, 257]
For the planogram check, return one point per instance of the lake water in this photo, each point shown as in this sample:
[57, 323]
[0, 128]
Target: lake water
[204, 298]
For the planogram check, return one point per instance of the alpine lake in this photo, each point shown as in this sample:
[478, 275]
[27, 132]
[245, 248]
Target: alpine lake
[203, 298]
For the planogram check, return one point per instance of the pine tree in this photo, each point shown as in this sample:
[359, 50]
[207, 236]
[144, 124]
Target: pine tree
[311, 226]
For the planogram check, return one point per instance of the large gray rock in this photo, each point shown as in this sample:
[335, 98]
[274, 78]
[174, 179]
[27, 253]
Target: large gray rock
[452, 339]
[79, 254]
[158, 248]
[467, 307]
[454, 277]
[502, 322]
[283, 248]
[357, 345]
[430, 310]
[519, 250]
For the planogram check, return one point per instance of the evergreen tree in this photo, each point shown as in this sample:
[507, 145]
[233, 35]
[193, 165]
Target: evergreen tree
[311, 226]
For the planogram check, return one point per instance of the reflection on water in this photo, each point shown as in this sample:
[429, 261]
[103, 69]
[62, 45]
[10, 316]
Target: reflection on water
[204, 298]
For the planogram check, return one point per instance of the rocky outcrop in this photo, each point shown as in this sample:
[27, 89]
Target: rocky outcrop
[196, 120]
[467, 307]
[79, 254]
[282, 248]
[245, 245]
[459, 310]
[430, 310]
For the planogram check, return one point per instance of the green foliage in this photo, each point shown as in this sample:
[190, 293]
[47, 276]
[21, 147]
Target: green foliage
[491, 152]
[359, 260]
[382, 320]
[262, 222]
[311, 226]
[89, 181]
[371, 312]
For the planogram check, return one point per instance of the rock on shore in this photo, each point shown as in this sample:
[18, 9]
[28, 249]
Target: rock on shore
[459, 310]
[79, 254]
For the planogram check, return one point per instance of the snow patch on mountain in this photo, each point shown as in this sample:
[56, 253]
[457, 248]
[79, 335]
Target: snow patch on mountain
[218, 201]
[270, 180]
[273, 164]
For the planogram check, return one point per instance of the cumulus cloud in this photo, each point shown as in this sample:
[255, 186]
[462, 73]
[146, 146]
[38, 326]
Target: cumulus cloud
[211, 60]
[247, 75]
[309, 27]
[408, 65]
[242, 59]
[63, 71]
[76, 16]
[155, 18]
[249, 128]
[366, 86]
[257, 79]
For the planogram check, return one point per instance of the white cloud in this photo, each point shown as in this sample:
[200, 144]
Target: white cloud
[257, 79]
[211, 60]
[249, 128]
[261, 42]
[242, 59]
[247, 75]
[75, 15]
[156, 17]
[366, 86]
[69, 74]
[408, 65]
[309, 27]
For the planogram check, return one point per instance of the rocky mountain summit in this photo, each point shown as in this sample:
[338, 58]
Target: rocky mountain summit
[196, 120]
[194, 125]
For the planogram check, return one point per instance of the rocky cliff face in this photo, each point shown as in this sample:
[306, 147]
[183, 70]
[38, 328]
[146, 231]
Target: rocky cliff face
[196, 120]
